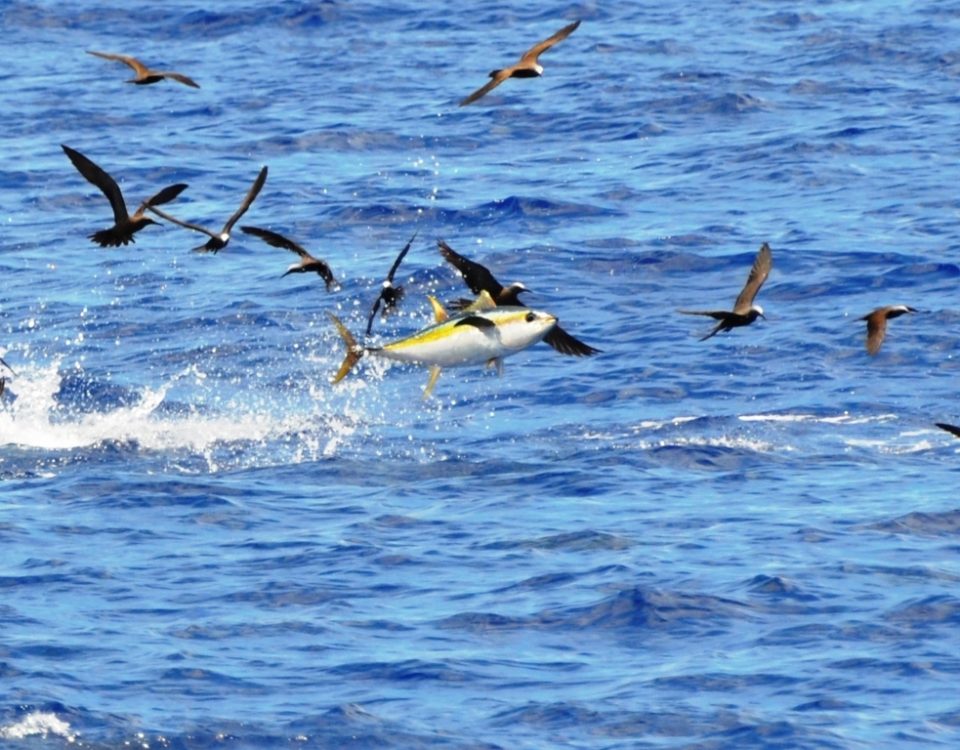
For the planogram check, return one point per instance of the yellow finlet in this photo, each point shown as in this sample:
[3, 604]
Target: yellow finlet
[440, 314]
[432, 381]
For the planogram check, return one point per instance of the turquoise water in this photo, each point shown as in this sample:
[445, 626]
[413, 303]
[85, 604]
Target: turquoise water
[749, 541]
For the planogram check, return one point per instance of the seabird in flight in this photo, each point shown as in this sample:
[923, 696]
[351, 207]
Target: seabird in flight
[744, 311]
[144, 74]
[527, 67]
[125, 226]
[877, 324]
[217, 242]
[390, 295]
[306, 264]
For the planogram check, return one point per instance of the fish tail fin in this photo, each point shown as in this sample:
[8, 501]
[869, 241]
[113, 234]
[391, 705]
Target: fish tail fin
[354, 350]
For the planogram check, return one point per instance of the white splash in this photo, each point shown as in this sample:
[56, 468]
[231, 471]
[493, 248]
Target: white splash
[42, 723]
[33, 419]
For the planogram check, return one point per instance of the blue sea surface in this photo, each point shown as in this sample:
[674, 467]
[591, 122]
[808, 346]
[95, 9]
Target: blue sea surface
[751, 541]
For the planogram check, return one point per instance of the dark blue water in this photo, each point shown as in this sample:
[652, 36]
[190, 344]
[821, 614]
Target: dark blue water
[746, 542]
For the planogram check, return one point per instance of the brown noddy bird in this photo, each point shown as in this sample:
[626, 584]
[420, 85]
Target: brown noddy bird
[125, 225]
[744, 311]
[390, 294]
[527, 67]
[306, 264]
[479, 279]
[877, 324]
[145, 75]
[217, 242]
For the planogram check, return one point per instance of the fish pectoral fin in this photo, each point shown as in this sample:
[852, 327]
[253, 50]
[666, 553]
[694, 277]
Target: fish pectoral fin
[476, 321]
[483, 302]
[431, 381]
[440, 314]
[496, 362]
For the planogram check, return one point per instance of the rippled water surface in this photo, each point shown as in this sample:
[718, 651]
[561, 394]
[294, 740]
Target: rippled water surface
[749, 541]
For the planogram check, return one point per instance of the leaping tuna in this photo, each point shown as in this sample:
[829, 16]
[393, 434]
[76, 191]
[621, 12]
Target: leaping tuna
[482, 334]
[479, 279]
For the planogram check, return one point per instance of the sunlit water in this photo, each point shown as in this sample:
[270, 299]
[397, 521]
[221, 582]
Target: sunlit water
[749, 541]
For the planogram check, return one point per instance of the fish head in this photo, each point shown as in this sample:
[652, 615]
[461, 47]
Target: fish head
[520, 327]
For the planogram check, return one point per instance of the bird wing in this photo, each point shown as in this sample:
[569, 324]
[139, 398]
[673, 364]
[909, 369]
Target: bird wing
[400, 257]
[477, 277]
[373, 312]
[564, 343]
[186, 80]
[138, 67]
[95, 175]
[952, 429]
[715, 314]
[758, 274]
[180, 222]
[326, 273]
[252, 193]
[531, 55]
[277, 240]
[164, 196]
[876, 329]
[495, 80]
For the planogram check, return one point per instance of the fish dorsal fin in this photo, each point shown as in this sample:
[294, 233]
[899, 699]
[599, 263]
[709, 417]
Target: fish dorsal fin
[440, 314]
[476, 321]
[483, 302]
[431, 381]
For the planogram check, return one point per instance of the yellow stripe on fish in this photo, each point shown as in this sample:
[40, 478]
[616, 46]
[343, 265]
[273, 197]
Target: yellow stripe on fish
[483, 335]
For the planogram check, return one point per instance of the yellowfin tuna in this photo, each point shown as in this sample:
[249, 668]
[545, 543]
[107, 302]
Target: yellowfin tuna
[483, 333]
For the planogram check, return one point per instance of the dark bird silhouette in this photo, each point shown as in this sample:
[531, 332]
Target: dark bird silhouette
[217, 242]
[125, 226]
[479, 279]
[390, 295]
[527, 67]
[877, 324]
[952, 429]
[744, 311]
[306, 264]
[145, 75]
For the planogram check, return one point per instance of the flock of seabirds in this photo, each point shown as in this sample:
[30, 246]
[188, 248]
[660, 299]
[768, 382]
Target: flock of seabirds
[481, 331]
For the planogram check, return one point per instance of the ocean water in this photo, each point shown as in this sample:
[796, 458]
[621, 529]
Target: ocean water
[745, 542]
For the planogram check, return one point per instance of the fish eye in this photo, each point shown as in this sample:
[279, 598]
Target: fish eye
[531, 316]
